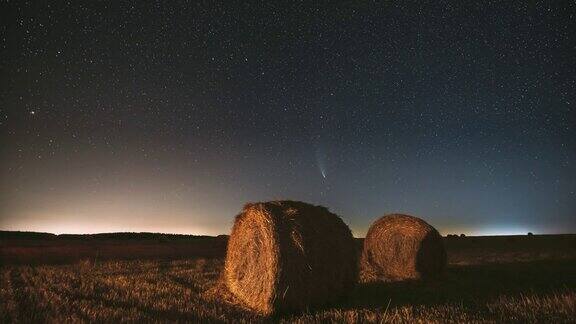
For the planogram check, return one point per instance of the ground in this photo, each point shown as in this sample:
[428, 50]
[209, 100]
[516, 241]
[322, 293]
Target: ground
[489, 279]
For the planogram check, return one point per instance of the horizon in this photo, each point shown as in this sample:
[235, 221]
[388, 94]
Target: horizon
[356, 235]
[224, 234]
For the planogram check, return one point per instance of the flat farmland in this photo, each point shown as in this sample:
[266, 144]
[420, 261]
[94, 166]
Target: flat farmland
[150, 277]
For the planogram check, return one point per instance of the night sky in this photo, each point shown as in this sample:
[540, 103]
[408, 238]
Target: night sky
[168, 116]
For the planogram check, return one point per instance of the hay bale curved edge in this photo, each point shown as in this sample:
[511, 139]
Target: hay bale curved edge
[401, 247]
[288, 256]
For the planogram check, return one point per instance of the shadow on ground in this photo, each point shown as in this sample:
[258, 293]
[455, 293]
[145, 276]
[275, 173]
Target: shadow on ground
[472, 284]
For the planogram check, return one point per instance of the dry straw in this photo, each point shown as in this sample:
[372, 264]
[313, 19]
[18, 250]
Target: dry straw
[399, 247]
[287, 256]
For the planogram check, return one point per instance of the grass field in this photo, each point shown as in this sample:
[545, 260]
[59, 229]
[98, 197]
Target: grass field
[489, 279]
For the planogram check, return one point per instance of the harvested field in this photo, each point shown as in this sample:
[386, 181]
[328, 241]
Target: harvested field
[483, 283]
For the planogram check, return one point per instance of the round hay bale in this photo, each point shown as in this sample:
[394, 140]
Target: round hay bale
[287, 256]
[400, 247]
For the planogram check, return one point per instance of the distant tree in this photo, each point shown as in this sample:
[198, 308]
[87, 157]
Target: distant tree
[530, 234]
[462, 235]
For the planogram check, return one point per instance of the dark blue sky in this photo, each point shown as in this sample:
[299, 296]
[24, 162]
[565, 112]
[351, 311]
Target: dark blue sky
[168, 117]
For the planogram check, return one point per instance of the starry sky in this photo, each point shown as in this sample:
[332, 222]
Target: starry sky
[169, 116]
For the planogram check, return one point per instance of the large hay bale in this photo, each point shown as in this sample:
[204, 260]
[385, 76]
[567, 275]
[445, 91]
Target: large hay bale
[287, 256]
[399, 247]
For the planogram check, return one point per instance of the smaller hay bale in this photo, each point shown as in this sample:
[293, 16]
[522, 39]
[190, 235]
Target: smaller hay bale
[288, 256]
[401, 247]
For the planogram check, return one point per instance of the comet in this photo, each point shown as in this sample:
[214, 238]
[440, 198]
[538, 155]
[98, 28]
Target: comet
[320, 163]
